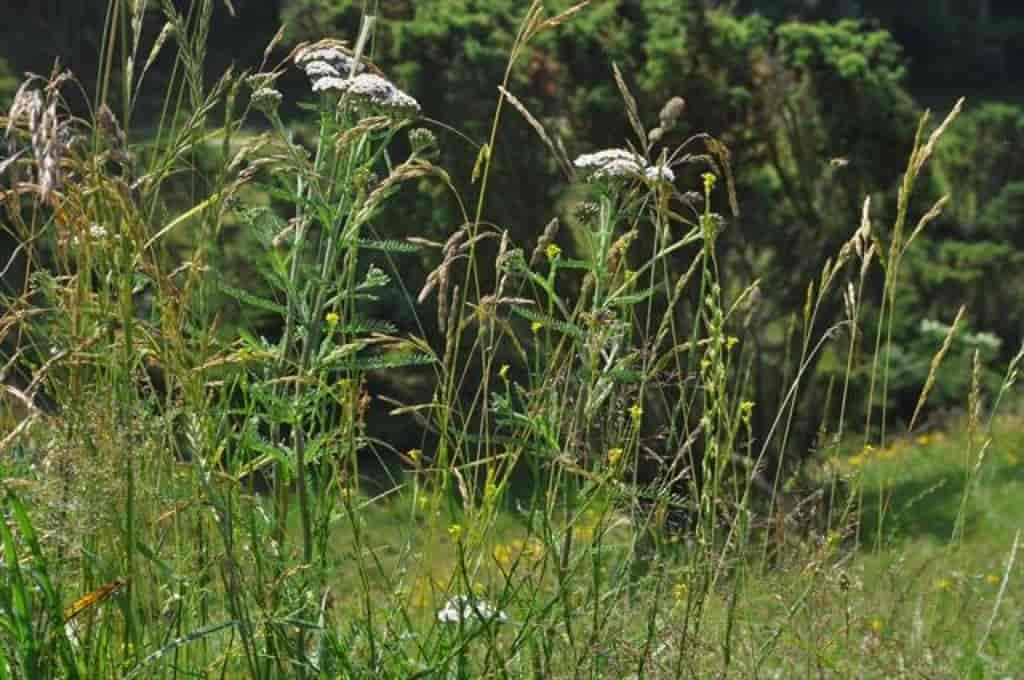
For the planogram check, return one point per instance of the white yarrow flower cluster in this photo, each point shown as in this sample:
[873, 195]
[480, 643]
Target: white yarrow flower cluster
[611, 162]
[660, 173]
[328, 83]
[97, 234]
[320, 69]
[371, 90]
[332, 70]
[319, 62]
[266, 99]
[621, 163]
[466, 609]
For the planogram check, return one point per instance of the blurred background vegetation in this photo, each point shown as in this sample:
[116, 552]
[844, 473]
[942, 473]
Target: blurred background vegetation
[817, 101]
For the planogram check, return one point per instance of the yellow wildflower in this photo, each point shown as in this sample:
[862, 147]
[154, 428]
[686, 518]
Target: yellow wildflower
[534, 549]
[502, 555]
[332, 319]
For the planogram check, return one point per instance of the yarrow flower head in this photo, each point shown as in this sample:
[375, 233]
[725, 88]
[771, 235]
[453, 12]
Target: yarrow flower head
[612, 164]
[660, 173]
[467, 609]
[327, 58]
[329, 83]
[371, 90]
[319, 69]
[97, 234]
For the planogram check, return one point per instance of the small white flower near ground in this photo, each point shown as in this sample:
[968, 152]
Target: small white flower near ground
[466, 609]
[660, 173]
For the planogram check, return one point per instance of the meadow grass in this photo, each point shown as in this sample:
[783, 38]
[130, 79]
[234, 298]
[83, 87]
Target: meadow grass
[193, 501]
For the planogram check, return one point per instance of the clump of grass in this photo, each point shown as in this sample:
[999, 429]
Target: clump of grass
[204, 488]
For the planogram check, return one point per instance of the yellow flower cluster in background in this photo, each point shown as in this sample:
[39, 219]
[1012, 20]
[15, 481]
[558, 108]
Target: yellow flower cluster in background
[895, 449]
[507, 554]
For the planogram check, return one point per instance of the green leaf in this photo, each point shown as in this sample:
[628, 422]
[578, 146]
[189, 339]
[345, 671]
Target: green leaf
[388, 245]
[549, 322]
[338, 353]
[388, 361]
[252, 300]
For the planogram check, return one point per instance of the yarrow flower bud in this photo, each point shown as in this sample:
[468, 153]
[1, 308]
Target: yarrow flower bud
[266, 99]
[587, 211]
[671, 112]
[422, 140]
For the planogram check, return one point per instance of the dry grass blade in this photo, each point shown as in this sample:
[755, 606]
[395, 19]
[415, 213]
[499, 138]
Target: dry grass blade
[561, 18]
[274, 42]
[154, 51]
[934, 368]
[928, 217]
[92, 599]
[863, 234]
[546, 238]
[1001, 594]
[926, 151]
[631, 108]
[13, 435]
[530, 25]
[563, 161]
[721, 152]
[5, 163]
[743, 298]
